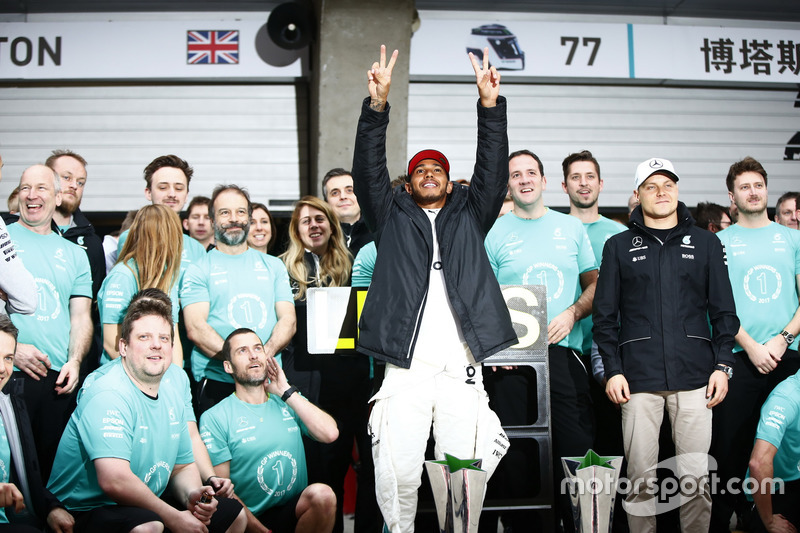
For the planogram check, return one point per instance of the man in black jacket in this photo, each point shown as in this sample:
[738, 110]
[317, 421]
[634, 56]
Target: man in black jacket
[72, 224]
[661, 284]
[21, 486]
[338, 191]
[434, 309]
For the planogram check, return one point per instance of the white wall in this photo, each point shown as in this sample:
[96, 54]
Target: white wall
[244, 134]
[701, 130]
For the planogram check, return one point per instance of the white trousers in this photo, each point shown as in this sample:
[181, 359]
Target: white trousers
[463, 426]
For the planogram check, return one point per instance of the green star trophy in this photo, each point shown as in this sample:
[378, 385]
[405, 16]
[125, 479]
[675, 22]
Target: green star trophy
[459, 486]
[592, 484]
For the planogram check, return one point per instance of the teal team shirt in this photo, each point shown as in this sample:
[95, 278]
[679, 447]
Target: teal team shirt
[174, 381]
[763, 264]
[114, 419]
[242, 291]
[264, 444]
[599, 232]
[61, 270]
[5, 464]
[115, 294]
[780, 426]
[552, 250]
[364, 265]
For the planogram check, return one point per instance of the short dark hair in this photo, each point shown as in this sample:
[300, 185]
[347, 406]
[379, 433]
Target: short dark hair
[142, 306]
[152, 294]
[6, 326]
[226, 346]
[332, 173]
[583, 155]
[518, 153]
[709, 213]
[748, 164]
[788, 196]
[219, 189]
[171, 161]
[201, 201]
[50, 161]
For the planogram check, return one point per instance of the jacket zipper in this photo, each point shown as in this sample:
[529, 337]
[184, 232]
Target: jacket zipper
[417, 324]
[634, 340]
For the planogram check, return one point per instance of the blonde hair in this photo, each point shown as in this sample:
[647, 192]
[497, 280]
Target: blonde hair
[155, 244]
[334, 264]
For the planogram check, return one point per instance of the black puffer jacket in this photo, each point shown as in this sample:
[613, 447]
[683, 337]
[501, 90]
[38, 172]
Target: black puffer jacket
[654, 302]
[390, 318]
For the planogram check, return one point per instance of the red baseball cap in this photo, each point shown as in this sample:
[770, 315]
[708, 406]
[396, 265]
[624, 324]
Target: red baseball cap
[429, 154]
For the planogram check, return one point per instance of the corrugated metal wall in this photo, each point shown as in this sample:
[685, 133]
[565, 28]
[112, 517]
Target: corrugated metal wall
[254, 135]
[701, 130]
[251, 135]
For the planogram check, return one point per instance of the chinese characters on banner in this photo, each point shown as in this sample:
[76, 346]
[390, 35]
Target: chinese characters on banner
[530, 48]
[760, 56]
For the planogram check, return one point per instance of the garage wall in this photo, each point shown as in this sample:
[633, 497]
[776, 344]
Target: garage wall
[701, 130]
[251, 135]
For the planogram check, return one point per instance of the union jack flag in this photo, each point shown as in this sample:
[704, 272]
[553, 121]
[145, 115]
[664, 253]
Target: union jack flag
[212, 47]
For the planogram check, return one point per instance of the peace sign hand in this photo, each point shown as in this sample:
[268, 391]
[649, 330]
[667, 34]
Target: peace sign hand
[379, 79]
[487, 79]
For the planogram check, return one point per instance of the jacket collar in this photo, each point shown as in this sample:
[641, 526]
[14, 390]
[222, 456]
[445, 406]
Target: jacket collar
[685, 220]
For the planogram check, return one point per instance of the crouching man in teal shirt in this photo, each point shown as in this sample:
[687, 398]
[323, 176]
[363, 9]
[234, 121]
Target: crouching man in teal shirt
[128, 440]
[775, 456]
[255, 437]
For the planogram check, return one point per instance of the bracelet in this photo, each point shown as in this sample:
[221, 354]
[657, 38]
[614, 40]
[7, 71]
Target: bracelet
[291, 390]
[208, 481]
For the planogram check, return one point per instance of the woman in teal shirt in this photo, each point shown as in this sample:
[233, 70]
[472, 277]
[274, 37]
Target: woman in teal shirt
[150, 258]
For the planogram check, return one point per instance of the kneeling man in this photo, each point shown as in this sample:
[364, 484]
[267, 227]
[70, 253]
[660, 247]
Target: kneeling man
[254, 437]
[128, 440]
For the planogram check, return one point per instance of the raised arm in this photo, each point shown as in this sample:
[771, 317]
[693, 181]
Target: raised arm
[321, 426]
[487, 78]
[370, 175]
[489, 182]
[379, 79]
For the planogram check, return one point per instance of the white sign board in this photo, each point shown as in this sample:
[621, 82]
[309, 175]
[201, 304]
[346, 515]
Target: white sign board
[142, 49]
[529, 48]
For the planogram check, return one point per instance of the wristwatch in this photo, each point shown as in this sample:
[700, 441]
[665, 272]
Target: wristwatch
[725, 368]
[291, 390]
[788, 337]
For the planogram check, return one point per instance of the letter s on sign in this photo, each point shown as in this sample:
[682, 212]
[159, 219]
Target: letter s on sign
[524, 319]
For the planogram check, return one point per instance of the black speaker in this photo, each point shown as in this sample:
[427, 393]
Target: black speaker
[291, 25]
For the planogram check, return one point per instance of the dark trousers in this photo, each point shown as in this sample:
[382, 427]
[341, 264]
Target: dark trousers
[344, 394]
[209, 393]
[512, 397]
[49, 413]
[735, 422]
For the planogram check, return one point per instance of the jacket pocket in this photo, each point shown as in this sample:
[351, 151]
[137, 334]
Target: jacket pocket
[633, 334]
[697, 330]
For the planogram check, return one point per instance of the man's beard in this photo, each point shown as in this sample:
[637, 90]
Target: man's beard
[66, 209]
[244, 378]
[418, 194]
[221, 235]
[584, 205]
[745, 208]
